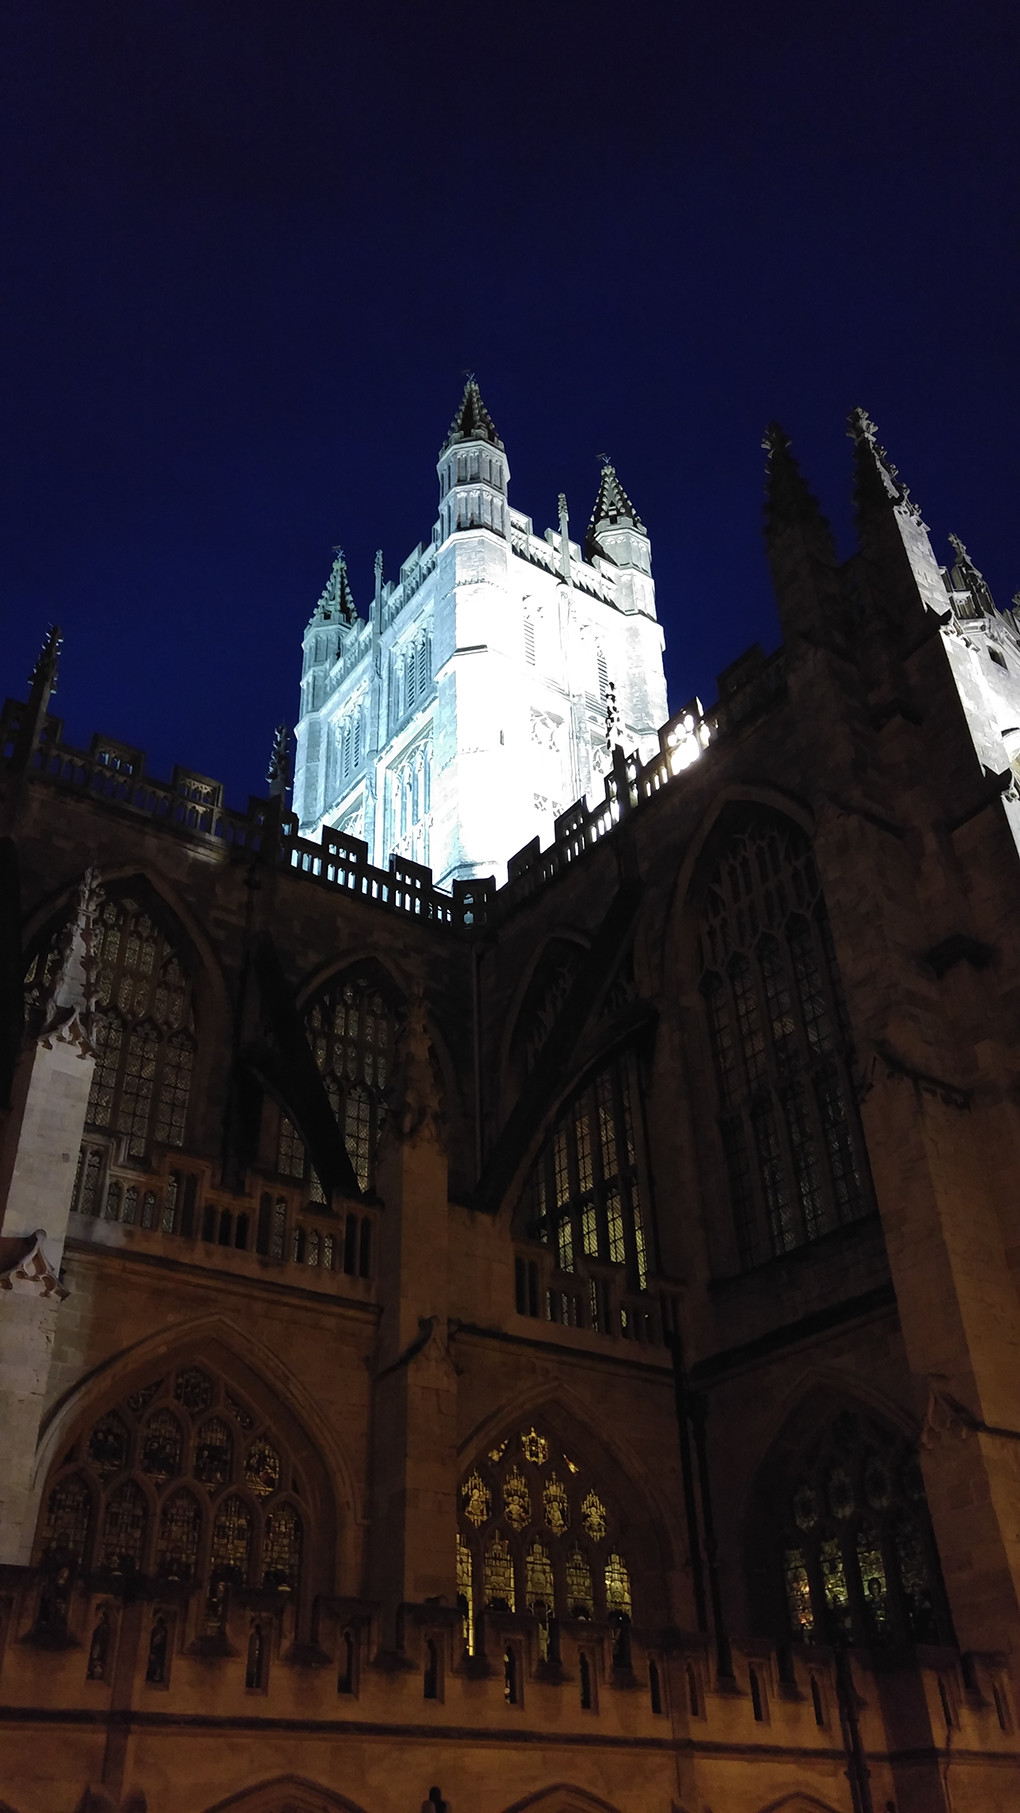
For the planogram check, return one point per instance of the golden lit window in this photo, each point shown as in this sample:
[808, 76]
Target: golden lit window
[533, 1533]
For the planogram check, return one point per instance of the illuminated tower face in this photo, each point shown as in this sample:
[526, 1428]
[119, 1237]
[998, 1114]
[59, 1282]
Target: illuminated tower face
[455, 723]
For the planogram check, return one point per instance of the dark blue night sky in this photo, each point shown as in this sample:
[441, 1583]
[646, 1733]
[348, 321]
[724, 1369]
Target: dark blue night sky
[250, 247]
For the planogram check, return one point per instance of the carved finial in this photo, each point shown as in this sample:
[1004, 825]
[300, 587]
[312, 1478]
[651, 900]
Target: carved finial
[278, 772]
[966, 577]
[72, 997]
[789, 500]
[878, 480]
[44, 673]
[614, 722]
[336, 602]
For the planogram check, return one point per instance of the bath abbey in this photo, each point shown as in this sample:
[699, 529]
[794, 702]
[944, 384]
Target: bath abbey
[509, 1250]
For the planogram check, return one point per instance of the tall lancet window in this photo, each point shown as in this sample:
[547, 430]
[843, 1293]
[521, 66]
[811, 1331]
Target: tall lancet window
[144, 1029]
[411, 803]
[781, 1044]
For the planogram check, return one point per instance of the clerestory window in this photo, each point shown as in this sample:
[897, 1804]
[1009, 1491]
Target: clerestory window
[781, 1045]
[584, 1197]
[351, 1027]
[144, 1028]
[537, 1535]
[181, 1483]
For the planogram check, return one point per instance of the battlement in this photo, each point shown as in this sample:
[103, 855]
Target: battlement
[190, 804]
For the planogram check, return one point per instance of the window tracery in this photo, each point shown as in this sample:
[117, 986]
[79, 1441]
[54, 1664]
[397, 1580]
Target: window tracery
[585, 1194]
[859, 1560]
[161, 1488]
[780, 1043]
[144, 1033]
[351, 1027]
[536, 1533]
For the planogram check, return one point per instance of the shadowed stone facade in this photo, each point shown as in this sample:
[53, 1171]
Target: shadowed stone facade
[543, 1347]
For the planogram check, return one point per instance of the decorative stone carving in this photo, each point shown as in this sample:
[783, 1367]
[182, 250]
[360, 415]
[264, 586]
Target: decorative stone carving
[25, 1267]
[72, 998]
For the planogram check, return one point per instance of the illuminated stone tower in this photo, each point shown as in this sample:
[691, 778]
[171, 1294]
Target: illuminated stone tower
[469, 709]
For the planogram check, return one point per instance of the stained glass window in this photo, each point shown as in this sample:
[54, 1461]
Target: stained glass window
[535, 1448]
[781, 1048]
[161, 1447]
[580, 1598]
[123, 1533]
[593, 1516]
[617, 1586]
[214, 1454]
[557, 1505]
[540, 1589]
[180, 1524]
[68, 1519]
[499, 1575]
[173, 1441]
[798, 1595]
[584, 1195]
[516, 1500]
[281, 1549]
[859, 1562]
[515, 1527]
[108, 1447]
[465, 1594]
[193, 1388]
[262, 1468]
[871, 1564]
[231, 1537]
[477, 1500]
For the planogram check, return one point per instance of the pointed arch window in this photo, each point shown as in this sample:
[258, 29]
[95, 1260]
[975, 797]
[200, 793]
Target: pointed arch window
[410, 804]
[536, 1532]
[585, 1197]
[351, 1027]
[780, 1041]
[161, 1489]
[144, 1028]
[859, 1563]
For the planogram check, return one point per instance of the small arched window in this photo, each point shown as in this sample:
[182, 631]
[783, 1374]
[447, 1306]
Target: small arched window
[781, 1045]
[181, 1483]
[144, 1028]
[859, 1563]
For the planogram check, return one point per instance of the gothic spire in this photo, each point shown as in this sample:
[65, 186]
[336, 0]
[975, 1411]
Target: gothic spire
[878, 482]
[336, 603]
[472, 421]
[613, 510]
[789, 501]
